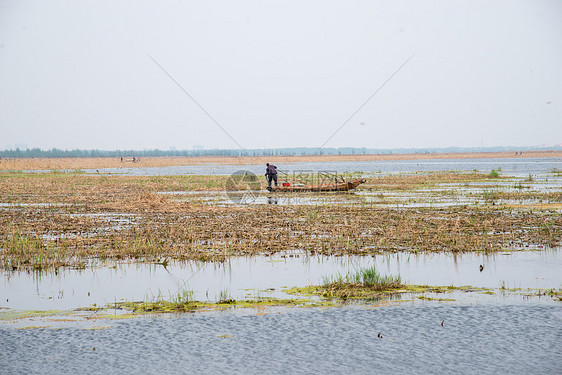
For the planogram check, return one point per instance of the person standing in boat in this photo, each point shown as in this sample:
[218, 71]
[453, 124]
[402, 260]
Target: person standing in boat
[271, 174]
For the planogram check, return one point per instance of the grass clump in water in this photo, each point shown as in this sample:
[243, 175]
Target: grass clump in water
[369, 277]
[360, 284]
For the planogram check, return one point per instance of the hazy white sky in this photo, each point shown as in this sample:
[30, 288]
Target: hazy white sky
[76, 74]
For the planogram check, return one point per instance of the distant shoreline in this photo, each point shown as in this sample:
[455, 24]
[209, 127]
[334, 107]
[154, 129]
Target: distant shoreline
[164, 161]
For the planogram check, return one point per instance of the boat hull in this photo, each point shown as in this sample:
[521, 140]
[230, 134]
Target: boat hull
[337, 186]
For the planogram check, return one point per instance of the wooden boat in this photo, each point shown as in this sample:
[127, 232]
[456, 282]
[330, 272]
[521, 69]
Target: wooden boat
[336, 186]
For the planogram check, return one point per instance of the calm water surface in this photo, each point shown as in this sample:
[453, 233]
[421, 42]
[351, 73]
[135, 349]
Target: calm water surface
[508, 166]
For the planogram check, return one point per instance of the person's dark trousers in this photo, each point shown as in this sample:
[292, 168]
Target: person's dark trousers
[271, 177]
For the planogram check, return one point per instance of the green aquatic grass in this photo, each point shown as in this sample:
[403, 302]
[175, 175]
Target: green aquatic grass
[364, 278]
[371, 278]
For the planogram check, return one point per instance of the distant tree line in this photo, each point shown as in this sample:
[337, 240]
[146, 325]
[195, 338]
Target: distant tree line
[58, 153]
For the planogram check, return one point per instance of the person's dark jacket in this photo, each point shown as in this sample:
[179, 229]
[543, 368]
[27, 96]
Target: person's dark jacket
[271, 170]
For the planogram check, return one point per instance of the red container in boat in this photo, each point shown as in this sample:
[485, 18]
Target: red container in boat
[286, 184]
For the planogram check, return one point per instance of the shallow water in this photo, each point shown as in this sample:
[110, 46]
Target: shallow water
[508, 166]
[266, 276]
[226, 198]
[474, 339]
[440, 195]
[457, 194]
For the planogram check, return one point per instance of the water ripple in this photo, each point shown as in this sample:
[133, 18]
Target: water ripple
[474, 339]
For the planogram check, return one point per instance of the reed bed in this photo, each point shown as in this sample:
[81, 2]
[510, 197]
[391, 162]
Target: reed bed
[77, 188]
[90, 219]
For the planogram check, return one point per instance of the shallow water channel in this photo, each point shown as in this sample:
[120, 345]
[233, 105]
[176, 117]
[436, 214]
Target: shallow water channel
[519, 166]
[242, 278]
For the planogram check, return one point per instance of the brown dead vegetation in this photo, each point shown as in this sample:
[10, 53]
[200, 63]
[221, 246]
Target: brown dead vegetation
[97, 218]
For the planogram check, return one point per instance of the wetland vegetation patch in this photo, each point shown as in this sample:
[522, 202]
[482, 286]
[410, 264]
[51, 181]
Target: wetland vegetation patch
[163, 306]
[368, 284]
[56, 220]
